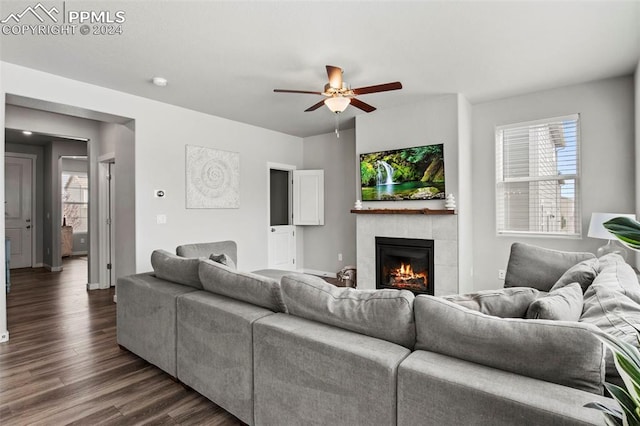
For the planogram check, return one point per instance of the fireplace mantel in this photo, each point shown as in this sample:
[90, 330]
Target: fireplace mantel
[402, 211]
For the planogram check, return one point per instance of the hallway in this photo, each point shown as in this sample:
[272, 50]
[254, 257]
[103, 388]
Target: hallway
[62, 364]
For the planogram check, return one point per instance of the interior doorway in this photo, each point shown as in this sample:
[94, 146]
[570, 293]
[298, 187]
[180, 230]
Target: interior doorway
[281, 231]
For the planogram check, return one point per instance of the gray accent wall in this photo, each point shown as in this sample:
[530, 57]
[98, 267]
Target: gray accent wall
[322, 244]
[606, 109]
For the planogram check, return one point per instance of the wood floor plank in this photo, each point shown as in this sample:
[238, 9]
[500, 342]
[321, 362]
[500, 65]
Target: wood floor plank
[63, 366]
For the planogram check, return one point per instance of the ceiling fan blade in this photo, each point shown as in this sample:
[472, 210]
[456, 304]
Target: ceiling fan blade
[335, 76]
[378, 88]
[362, 105]
[315, 107]
[296, 91]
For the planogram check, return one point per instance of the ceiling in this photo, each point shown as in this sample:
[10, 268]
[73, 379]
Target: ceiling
[225, 57]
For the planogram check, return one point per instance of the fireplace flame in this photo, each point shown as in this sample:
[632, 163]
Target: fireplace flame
[405, 274]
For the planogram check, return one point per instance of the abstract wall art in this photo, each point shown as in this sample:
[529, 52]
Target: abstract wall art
[213, 178]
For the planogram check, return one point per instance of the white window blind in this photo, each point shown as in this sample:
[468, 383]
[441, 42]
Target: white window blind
[538, 177]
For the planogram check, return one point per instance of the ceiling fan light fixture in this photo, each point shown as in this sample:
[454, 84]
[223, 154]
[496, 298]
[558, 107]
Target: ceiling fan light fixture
[337, 104]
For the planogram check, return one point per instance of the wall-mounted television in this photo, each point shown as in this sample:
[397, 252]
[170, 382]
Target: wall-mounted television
[415, 173]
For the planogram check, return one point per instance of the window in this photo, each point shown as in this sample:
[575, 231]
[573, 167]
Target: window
[75, 200]
[537, 177]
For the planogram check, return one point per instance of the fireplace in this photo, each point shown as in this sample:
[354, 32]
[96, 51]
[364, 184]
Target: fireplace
[405, 264]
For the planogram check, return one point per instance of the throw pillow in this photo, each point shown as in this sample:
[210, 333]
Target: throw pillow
[563, 304]
[538, 267]
[223, 259]
[385, 314]
[522, 346]
[504, 303]
[583, 273]
[611, 304]
[251, 288]
[174, 268]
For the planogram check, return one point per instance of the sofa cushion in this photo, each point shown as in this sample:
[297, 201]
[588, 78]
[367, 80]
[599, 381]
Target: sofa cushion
[245, 286]
[562, 304]
[531, 348]
[538, 267]
[611, 303]
[174, 268]
[582, 273]
[206, 249]
[223, 259]
[504, 303]
[386, 314]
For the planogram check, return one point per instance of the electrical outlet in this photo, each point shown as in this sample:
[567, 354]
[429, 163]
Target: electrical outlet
[501, 274]
[339, 257]
[81, 240]
[161, 219]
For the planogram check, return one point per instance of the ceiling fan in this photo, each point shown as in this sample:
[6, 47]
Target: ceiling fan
[338, 94]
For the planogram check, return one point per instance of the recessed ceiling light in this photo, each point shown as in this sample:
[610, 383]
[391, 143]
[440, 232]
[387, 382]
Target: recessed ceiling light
[27, 133]
[159, 81]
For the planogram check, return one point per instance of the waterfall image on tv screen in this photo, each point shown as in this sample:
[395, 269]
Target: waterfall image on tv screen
[415, 173]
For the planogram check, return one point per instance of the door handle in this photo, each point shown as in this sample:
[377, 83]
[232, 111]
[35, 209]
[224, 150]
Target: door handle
[28, 226]
[28, 221]
[273, 229]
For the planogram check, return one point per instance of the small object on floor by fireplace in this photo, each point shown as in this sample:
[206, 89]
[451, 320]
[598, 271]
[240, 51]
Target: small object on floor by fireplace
[347, 275]
[358, 205]
[450, 204]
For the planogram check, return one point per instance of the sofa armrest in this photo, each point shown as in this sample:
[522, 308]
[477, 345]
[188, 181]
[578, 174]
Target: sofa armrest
[146, 318]
[435, 389]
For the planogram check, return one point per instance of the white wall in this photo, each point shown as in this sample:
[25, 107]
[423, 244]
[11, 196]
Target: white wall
[161, 133]
[607, 183]
[336, 156]
[4, 330]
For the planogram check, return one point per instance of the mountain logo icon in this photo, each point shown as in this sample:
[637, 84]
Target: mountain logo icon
[39, 11]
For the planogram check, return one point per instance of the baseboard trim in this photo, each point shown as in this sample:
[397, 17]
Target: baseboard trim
[115, 298]
[79, 253]
[320, 273]
[4, 336]
[52, 268]
[38, 265]
[93, 286]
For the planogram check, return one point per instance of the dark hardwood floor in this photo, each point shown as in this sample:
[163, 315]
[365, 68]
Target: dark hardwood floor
[62, 364]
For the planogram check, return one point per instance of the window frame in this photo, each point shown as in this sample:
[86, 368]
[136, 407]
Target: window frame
[84, 192]
[500, 205]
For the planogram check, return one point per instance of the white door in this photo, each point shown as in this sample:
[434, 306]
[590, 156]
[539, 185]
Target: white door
[281, 233]
[282, 247]
[308, 197]
[18, 202]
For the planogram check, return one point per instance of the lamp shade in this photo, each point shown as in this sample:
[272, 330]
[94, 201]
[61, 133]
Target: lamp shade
[337, 103]
[596, 230]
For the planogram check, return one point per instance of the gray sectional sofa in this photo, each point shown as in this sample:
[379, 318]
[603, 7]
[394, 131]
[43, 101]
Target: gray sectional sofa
[279, 348]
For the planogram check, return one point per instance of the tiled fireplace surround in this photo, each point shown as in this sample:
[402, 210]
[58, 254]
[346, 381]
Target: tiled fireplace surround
[443, 229]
